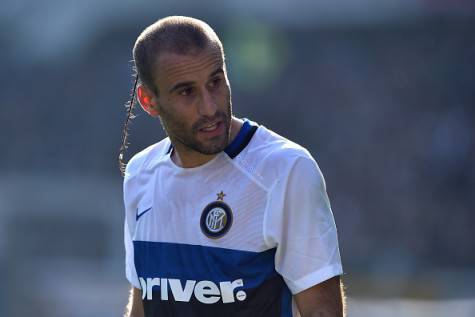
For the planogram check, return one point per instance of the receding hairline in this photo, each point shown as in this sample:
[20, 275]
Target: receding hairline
[209, 60]
[176, 35]
[211, 52]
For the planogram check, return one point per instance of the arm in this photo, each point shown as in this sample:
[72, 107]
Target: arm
[322, 300]
[134, 307]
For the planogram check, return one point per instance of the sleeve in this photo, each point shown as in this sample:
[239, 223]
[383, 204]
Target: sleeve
[304, 229]
[129, 229]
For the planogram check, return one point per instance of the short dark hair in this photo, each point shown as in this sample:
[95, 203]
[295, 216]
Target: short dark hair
[174, 34]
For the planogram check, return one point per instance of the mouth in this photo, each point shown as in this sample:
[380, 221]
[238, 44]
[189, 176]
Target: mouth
[213, 129]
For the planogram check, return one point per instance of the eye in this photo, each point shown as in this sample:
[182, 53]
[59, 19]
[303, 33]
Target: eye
[215, 82]
[186, 91]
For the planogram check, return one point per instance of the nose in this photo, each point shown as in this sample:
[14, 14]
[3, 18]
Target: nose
[207, 106]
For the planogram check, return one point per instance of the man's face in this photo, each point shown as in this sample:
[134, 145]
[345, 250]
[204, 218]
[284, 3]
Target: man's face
[194, 100]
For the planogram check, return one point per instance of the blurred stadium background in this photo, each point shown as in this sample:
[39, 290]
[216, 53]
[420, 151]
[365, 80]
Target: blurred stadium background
[381, 92]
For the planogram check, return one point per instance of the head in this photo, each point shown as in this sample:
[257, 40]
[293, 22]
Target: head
[182, 81]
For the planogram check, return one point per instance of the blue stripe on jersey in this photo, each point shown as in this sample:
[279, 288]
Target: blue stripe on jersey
[265, 288]
[286, 303]
[195, 262]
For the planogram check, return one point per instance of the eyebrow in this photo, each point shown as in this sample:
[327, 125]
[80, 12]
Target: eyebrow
[217, 71]
[189, 83]
[180, 85]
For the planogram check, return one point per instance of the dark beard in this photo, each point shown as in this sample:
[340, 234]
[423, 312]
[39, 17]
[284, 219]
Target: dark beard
[173, 129]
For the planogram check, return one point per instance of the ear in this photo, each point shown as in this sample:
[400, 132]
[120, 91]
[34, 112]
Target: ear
[148, 101]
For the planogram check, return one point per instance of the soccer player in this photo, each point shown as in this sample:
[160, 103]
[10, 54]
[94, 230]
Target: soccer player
[223, 217]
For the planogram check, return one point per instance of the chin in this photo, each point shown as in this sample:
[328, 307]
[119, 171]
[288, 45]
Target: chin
[213, 148]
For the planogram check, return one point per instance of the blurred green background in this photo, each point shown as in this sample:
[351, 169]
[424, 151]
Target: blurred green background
[381, 92]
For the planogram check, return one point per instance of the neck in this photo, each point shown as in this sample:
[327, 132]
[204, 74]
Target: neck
[187, 158]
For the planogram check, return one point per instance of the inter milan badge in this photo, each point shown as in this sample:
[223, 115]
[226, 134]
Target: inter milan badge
[216, 218]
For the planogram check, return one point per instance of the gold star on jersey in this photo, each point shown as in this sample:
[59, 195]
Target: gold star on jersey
[216, 218]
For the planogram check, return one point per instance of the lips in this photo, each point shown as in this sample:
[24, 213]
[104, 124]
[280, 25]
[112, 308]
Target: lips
[212, 129]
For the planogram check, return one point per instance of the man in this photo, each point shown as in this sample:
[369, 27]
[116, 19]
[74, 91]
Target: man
[223, 217]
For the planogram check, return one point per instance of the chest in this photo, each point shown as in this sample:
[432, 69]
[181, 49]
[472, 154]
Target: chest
[223, 207]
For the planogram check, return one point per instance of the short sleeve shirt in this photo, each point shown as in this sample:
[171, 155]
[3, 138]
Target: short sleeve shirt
[237, 236]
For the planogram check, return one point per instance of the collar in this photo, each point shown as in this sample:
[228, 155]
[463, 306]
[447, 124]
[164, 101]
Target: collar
[242, 139]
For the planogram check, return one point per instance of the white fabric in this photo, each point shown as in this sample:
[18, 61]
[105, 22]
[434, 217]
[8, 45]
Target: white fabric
[274, 188]
[303, 229]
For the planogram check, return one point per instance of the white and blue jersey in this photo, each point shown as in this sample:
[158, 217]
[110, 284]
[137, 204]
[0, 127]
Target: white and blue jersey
[237, 236]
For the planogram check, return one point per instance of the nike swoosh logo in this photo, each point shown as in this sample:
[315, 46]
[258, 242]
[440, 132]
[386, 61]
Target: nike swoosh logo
[142, 213]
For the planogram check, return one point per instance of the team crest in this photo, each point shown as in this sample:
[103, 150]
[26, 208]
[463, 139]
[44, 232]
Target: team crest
[216, 218]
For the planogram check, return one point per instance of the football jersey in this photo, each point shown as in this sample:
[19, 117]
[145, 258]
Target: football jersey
[236, 236]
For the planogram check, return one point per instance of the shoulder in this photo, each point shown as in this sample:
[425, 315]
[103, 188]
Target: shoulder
[139, 171]
[281, 148]
[270, 157]
[146, 158]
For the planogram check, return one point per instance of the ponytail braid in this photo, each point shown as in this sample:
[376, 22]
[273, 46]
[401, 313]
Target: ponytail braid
[129, 106]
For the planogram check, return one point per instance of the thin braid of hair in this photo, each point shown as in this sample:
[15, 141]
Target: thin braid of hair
[123, 147]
